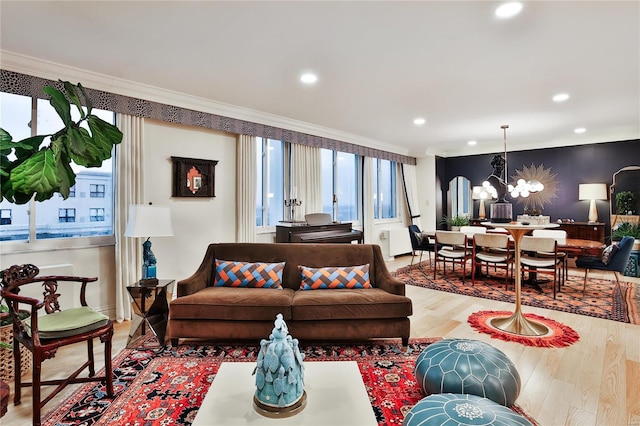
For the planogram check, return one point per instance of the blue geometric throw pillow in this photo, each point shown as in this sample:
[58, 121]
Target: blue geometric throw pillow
[335, 277]
[246, 274]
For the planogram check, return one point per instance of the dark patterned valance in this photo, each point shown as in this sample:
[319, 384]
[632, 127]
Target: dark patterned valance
[22, 84]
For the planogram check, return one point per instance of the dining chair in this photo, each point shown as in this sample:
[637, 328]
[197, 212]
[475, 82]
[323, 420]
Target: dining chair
[491, 250]
[616, 263]
[561, 237]
[420, 243]
[451, 246]
[43, 335]
[540, 255]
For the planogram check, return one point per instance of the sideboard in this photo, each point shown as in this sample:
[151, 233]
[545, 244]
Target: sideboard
[584, 230]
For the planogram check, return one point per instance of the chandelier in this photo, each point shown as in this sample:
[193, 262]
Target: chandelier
[522, 188]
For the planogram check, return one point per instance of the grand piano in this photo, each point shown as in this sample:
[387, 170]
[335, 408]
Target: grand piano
[317, 230]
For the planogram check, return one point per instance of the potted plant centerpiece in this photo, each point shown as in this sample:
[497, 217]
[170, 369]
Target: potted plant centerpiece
[455, 222]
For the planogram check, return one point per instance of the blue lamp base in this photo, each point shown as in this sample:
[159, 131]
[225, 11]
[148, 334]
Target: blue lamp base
[148, 265]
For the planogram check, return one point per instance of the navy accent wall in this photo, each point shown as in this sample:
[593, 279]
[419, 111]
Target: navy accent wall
[573, 165]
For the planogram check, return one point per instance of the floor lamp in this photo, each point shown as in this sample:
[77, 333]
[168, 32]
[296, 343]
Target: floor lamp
[146, 222]
[592, 192]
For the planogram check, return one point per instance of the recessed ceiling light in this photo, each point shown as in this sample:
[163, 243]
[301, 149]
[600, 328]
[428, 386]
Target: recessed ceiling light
[508, 10]
[308, 78]
[560, 97]
[472, 143]
[419, 121]
[579, 130]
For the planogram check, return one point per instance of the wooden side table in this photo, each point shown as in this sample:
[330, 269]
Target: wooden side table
[151, 310]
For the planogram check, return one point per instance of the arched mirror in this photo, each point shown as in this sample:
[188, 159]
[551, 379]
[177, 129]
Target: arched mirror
[459, 196]
[625, 196]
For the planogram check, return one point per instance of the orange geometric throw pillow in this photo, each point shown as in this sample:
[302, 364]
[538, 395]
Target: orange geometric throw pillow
[335, 277]
[247, 274]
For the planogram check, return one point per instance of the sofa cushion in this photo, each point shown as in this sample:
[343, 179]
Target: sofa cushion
[246, 274]
[346, 303]
[608, 253]
[335, 277]
[230, 303]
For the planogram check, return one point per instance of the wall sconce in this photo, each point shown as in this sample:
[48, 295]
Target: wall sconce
[592, 192]
[148, 221]
[480, 193]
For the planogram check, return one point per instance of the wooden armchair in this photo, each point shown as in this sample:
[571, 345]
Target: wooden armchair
[43, 335]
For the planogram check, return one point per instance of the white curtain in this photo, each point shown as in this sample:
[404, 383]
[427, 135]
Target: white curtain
[410, 181]
[130, 190]
[246, 189]
[306, 179]
[367, 200]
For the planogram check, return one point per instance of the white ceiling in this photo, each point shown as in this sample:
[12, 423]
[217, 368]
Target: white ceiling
[380, 64]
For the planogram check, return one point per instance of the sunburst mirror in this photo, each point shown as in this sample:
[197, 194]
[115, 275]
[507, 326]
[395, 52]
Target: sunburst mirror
[535, 202]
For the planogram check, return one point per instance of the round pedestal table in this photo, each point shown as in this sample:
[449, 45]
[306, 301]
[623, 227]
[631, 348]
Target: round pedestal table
[517, 323]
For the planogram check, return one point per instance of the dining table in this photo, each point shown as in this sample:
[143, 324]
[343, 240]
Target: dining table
[517, 323]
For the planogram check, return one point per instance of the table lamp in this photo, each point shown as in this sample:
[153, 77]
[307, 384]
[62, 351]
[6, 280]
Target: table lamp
[480, 193]
[592, 192]
[146, 222]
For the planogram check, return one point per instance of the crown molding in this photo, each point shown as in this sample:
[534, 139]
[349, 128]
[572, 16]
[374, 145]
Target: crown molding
[54, 71]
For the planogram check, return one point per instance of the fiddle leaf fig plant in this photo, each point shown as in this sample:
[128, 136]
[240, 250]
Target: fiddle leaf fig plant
[28, 167]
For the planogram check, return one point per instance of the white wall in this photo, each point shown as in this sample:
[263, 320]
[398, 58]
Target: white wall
[84, 262]
[426, 176]
[197, 222]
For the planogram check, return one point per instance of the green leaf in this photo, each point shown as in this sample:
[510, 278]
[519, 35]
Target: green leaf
[105, 134]
[60, 103]
[38, 174]
[72, 93]
[28, 146]
[66, 174]
[87, 101]
[83, 150]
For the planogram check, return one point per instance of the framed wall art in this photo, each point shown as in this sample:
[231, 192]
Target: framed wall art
[193, 177]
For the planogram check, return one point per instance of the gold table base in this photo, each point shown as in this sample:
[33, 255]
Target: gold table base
[518, 324]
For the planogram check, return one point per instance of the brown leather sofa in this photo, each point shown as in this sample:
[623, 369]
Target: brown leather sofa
[202, 311]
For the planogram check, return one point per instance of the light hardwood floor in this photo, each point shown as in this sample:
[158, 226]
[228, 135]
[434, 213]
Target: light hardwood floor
[595, 381]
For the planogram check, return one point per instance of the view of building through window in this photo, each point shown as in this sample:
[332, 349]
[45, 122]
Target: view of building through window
[340, 183]
[270, 184]
[56, 217]
[384, 189]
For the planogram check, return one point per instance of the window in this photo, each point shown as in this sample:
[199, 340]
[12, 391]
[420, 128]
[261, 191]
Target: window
[5, 216]
[384, 189]
[270, 181]
[96, 191]
[340, 183]
[66, 215]
[96, 215]
[56, 217]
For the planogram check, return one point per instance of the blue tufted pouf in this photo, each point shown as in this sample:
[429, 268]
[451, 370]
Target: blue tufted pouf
[454, 409]
[465, 366]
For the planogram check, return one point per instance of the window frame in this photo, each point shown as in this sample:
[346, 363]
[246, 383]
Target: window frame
[31, 244]
[335, 179]
[265, 186]
[393, 185]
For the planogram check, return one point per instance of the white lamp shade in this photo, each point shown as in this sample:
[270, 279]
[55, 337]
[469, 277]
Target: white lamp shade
[592, 191]
[149, 221]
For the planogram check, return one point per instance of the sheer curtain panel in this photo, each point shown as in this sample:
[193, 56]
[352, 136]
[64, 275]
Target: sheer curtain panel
[246, 179]
[306, 179]
[129, 175]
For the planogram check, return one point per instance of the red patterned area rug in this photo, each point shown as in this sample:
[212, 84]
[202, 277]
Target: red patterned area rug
[559, 335]
[602, 298]
[166, 386]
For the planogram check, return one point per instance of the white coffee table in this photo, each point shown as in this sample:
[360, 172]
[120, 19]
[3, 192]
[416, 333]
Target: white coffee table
[335, 396]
